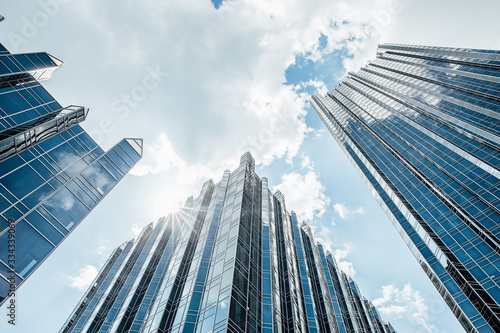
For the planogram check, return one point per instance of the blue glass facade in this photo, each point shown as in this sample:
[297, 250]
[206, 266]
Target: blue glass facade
[52, 174]
[231, 260]
[421, 124]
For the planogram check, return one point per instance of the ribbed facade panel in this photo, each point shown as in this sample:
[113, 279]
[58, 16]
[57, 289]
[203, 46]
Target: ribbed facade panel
[422, 127]
[52, 173]
[232, 259]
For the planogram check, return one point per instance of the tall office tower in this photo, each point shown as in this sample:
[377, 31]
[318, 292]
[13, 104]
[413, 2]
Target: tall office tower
[421, 125]
[52, 174]
[231, 260]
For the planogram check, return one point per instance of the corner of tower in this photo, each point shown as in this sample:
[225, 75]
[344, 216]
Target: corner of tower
[307, 229]
[189, 202]
[281, 197]
[247, 158]
[56, 61]
[207, 184]
[137, 144]
[122, 245]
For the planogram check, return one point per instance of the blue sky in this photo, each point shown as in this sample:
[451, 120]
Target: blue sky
[202, 82]
[217, 3]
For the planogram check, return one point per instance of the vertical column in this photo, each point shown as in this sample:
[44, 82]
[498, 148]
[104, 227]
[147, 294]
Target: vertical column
[340, 286]
[271, 305]
[245, 306]
[96, 289]
[166, 307]
[331, 289]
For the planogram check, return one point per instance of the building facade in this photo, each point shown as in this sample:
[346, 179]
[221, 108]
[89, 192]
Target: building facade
[234, 259]
[421, 126]
[52, 174]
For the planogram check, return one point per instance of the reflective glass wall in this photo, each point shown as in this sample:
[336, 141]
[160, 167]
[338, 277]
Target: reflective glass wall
[52, 174]
[234, 259]
[422, 124]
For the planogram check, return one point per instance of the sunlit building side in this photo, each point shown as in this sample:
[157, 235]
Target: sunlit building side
[233, 259]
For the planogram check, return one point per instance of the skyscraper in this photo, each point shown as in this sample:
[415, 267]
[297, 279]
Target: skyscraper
[231, 260]
[52, 174]
[421, 126]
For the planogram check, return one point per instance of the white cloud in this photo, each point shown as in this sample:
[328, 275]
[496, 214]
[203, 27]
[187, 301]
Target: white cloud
[306, 163]
[319, 85]
[340, 254]
[304, 194]
[345, 212]
[67, 203]
[406, 303]
[341, 209]
[136, 229]
[158, 157]
[84, 278]
[103, 250]
[318, 134]
[326, 236]
[224, 93]
[346, 266]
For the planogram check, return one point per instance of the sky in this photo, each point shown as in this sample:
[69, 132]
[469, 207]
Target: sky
[202, 82]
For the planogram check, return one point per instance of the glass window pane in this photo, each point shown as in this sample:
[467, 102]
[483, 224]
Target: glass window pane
[22, 181]
[66, 208]
[44, 227]
[99, 178]
[31, 248]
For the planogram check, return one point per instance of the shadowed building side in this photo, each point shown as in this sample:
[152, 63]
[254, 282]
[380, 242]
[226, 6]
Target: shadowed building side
[421, 125]
[52, 173]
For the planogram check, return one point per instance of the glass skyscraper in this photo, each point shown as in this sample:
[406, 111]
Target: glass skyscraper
[421, 125]
[52, 174]
[231, 260]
